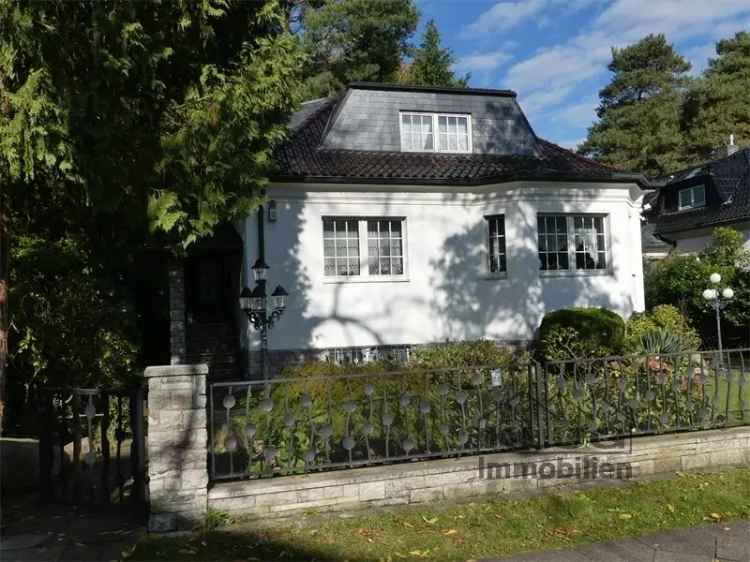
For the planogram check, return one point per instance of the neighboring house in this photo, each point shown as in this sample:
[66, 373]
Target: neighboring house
[404, 216]
[653, 247]
[692, 202]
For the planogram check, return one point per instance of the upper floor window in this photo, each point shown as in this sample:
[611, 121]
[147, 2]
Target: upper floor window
[435, 132]
[497, 257]
[589, 250]
[380, 253]
[692, 197]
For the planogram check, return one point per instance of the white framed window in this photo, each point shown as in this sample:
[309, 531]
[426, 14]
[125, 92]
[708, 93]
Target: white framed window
[497, 259]
[417, 132]
[341, 247]
[589, 251]
[435, 132]
[376, 255]
[385, 247]
[692, 197]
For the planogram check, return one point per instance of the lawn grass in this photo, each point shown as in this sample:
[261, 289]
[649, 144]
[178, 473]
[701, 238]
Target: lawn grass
[490, 527]
[739, 396]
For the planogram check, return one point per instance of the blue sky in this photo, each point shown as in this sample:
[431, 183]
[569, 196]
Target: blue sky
[554, 53]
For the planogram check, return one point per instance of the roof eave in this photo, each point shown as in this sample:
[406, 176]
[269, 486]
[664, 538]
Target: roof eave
[489, 180]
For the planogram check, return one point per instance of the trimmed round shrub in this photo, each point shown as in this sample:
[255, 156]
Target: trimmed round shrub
[596, 331]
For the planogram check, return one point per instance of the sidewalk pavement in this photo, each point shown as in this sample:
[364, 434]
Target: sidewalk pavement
[58, 533]
[722, 542]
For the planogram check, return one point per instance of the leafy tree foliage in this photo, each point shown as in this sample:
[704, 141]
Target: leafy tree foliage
[640, 109]
[717, 105]
[431, 64]
[349, 40]
[174, 102]
[680, 280]
[125, 126]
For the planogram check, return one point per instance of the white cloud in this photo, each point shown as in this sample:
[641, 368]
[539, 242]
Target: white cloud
[582, 113]
[483, 62]
[571, 144]
[552, 74]
[505, 15]
[509, 14]
[699, 55]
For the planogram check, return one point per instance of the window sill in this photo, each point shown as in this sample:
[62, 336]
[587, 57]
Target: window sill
[373, 279]
[495, 276]
[585, 273]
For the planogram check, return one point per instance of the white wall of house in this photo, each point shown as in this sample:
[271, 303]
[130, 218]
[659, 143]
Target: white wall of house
[694, 241]
[447, 293]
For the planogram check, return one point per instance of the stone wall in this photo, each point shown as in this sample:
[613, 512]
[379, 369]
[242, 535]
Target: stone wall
[177, 443]
[419, 482]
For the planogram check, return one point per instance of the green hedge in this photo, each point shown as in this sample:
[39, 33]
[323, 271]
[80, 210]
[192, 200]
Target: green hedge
[601, 330]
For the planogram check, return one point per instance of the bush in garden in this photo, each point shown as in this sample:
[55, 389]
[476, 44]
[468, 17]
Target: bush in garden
[679, 280]
[317, 413]
[581, 332]
[462, 354]
[653, 327]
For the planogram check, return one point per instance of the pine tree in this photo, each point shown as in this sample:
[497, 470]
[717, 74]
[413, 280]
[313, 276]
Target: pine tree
[718, 103]
[431, 65]
[640, 109]
[349, 40]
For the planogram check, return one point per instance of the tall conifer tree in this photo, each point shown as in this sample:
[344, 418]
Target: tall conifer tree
[639, 112]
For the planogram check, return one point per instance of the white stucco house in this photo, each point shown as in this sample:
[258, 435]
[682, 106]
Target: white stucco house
[404, 216]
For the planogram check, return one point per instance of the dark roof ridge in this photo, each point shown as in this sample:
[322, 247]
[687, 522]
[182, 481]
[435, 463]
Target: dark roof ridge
[706, 164]
[576, 155]
[435, 89]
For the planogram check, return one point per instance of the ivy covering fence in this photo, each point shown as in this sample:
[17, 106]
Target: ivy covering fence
[301, 424]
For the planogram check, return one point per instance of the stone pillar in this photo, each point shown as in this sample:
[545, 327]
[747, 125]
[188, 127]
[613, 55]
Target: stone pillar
[177, 327]
[177, 442]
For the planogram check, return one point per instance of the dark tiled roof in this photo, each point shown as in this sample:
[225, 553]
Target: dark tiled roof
[727, 182]
[301, 158]
[649, 242]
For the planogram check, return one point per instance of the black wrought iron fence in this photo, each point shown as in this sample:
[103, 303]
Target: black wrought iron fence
[286, 426]
[293, 425]
[92, 445]
[616, 397]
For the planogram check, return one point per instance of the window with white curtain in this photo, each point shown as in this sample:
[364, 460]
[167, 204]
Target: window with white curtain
[418, 131]
[379, 253]
[496, 245]
[589, 250]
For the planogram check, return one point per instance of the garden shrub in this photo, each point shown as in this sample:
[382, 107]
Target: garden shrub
[462, 354]
[664, 319]
[581, 332]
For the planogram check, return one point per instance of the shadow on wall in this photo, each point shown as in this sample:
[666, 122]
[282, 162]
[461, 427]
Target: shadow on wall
[448, 286]
[474, 305]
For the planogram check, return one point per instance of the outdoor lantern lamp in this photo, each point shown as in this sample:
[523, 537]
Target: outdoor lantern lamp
[262, 311]
[260, 270]
[719, 301]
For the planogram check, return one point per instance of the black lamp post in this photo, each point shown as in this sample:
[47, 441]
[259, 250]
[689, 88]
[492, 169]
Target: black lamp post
[262, 311]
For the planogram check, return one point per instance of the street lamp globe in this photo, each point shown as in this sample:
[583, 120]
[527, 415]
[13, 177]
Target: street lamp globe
[715, 278]
[727, 293]
[709, 294]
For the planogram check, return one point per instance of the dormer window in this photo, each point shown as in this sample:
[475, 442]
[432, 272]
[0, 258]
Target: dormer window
[692, 197]
[418, 132]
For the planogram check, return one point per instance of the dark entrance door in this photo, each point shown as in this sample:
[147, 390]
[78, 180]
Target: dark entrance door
[212, 275]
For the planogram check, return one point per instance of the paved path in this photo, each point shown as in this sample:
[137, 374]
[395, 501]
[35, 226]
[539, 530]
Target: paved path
[63, 533]
[724, 542]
